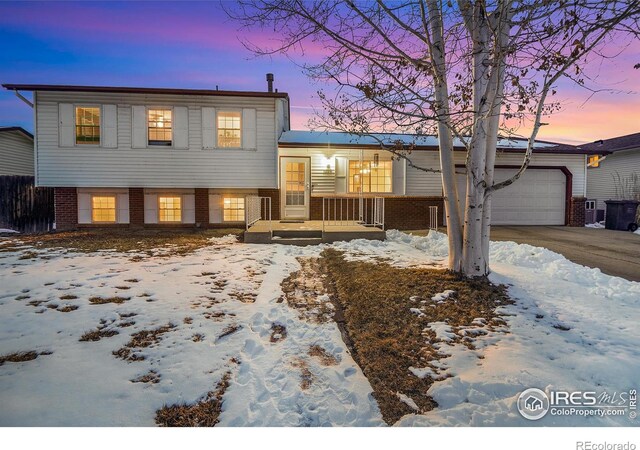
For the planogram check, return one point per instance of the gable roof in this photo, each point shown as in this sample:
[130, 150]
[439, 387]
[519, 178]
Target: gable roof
[140, 90]
[616, 144]
[18, 129]
[302, 138]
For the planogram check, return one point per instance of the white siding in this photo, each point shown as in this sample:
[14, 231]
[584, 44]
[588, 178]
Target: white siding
[600, 184]
[109, 126]
[325, 163]
[126, 166]
[16, 154]
[420, 183]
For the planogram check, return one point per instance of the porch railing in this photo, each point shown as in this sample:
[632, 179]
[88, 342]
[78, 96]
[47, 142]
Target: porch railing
[346, 211]
[257, 208]
[433, 217]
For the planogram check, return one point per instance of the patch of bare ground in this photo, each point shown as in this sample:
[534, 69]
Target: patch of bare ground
[105, 300]
[21, 356]
[325, 358]
[198, 337]
[141, 339]
[306, 377]
[304, 290]
[161, 243]
[229, 330]
[152, 377]
[278, 332]
[244, 297]
[203, 413]
[67, 308]
[123, 288]
[29, 255]
[187, 320]
[374, 311]
[22, 297]
[68, 297]
[217, 316]
[132, 280]
[97, 334]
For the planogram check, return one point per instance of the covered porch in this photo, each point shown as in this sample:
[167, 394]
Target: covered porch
[343, 219]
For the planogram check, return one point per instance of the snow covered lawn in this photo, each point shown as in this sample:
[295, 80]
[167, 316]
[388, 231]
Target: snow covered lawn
[184, 321]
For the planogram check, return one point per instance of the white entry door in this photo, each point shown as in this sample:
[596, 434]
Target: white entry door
[294, 188]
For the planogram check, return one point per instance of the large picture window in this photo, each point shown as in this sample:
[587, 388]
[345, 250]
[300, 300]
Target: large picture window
[103, 208]
[170, 209]
[370, 176]
[229, 129]
[233, 210]
[87, 125]
[160, 127]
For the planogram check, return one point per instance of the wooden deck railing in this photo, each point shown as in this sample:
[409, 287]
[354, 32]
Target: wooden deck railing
[345, 211]
[257, 208]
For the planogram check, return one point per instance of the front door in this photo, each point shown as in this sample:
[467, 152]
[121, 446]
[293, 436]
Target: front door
[294, 188]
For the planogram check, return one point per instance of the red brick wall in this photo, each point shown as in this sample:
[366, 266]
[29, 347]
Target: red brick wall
[275, 201]
[202, 207]
[66, 207]
[136, 207]
[577, 212]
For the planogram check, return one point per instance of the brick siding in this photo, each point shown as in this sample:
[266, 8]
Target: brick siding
[577, 212]
[136, 207]
[202, 207]
[66, 208]
[275, 201]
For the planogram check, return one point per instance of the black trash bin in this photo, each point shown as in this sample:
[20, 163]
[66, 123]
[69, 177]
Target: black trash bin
[621, 215]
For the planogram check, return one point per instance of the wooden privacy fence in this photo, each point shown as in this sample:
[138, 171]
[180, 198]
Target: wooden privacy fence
[24, 207]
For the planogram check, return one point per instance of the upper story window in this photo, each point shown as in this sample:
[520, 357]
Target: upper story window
[229, 129]
[370, 176]
[159, 125]
[88, 125]
[593, 161]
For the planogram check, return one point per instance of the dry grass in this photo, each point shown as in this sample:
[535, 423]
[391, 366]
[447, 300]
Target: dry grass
[278, 332]
[152, 377]
[68, 297]
[306, 377]
[203, 413]
[141, 339]
[325, 358]
[386, 338]
[105, 300]
[198, 337]
[124, 240]
[22, 297]
[229, 330]
[67, 308]
[21, 356]
[97, 334]
[302, 290]
[244, 297]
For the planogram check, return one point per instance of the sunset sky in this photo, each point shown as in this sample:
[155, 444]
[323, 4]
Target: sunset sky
[195, 45]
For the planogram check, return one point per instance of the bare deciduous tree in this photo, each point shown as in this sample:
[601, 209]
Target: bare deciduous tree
[467, 70]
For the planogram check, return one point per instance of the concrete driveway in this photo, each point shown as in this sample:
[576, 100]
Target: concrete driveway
[613, 252]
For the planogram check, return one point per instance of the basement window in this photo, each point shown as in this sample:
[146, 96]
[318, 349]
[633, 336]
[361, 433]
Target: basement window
[103, 208]
[233, 210]
[370, 176]
[170, 209]
[229, 129]
[160, 127]
[87, 125]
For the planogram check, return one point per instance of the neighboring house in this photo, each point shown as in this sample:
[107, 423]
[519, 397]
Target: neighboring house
[155, 157]
[16, 151]
[610, 160]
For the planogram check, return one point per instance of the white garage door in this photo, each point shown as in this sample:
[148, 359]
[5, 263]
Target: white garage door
[537, 198]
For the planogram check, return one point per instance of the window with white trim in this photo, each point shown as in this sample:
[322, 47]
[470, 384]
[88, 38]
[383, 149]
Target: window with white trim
[159, 124]
[370, 176]
[103, 208]
[229, 129]
[169, 208]
[233, 209]
[87, 125]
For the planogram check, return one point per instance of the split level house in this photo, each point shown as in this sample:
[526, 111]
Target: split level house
[613, 173]
[150, 157]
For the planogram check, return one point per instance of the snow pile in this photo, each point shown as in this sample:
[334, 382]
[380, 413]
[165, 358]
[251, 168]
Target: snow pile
[7, 231]
[442, 296]
[595, 225]
[442, 330]
[224, 240]
[407, 401]
[434, 244]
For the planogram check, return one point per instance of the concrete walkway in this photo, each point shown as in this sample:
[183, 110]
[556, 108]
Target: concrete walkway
[614, 252]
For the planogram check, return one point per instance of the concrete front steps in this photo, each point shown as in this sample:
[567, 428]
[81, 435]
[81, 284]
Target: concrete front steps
[310, 237]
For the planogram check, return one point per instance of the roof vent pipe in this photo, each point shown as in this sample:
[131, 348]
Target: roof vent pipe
[269, 82]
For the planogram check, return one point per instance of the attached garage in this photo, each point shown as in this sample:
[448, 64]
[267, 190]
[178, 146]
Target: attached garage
[537, 198]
